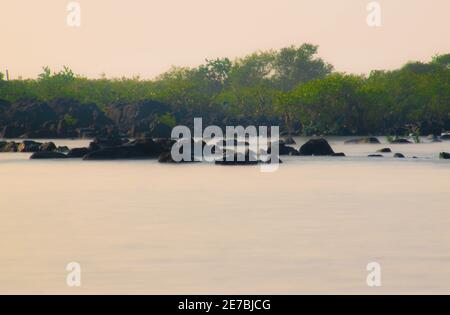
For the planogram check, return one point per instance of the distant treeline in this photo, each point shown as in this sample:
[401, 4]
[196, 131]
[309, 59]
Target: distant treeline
[291, 87]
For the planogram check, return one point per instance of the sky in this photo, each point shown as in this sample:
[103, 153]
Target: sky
[147, 37]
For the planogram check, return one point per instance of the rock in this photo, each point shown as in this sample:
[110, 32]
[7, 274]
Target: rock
[63, 149]
[11, 131]
[44, 155]
[9, 147]
[39, 134]
[374, 155]
[289, 140]
[165, 143]
[140, 117]
[444, 155]
[234, 143]
[316, 147]
[385, 150]
[160, 130]
[445, 136]
[29, 146]
[367, 140]
[249, 158]
[285, 150]
[78, 152]
[276, 159]
[340, 154]
[166, 157]
[400, 141]
[399, 156]
[139, 149]
[58, 118]
[93, 147]
[48, 146]
[108, 142]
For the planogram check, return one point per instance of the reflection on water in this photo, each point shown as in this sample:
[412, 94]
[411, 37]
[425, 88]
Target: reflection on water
[145, 227]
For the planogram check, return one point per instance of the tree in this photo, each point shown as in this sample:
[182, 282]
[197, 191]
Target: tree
[299, 65]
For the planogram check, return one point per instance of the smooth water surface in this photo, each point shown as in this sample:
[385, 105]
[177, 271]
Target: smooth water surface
[310, 227]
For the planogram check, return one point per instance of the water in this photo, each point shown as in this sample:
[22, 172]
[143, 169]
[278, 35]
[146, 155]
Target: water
[310, 227]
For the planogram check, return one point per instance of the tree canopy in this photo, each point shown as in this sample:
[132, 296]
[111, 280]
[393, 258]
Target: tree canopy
[292, 87]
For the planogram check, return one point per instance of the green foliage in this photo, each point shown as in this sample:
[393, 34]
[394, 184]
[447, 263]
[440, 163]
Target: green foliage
[291, 87]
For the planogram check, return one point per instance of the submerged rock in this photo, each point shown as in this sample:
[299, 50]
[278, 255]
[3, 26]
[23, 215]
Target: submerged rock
[399, 156]
[366, 140]
[444, 155]
[339, 154]
[78, 152]
[374, 155]
[400, 141]
[385, 150]
[316, 147]
[44, 155]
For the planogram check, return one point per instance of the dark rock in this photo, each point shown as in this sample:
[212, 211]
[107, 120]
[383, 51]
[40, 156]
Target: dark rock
[48, 146]
[400, 141]
[47, 155]
[166, 157]
[367, 140]
[444, 155]
[29, 146]
[316, 147]
[108, 142]
[93, 147]
[445, 136]
[374, 155]
[56, 119]
[78, 152]
[289, 140]
[271, 159]
[385, 150]
[283, 149]
[11, 131]
[63, 149]
[159, 130]
[140, 149]
[399, 156]
[233, 143]
[340, 154]
[39, 134]
[235, 158]
[165, 143]
[140, 117]
[9, 147]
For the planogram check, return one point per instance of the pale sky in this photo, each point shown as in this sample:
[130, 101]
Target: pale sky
[146, 37]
